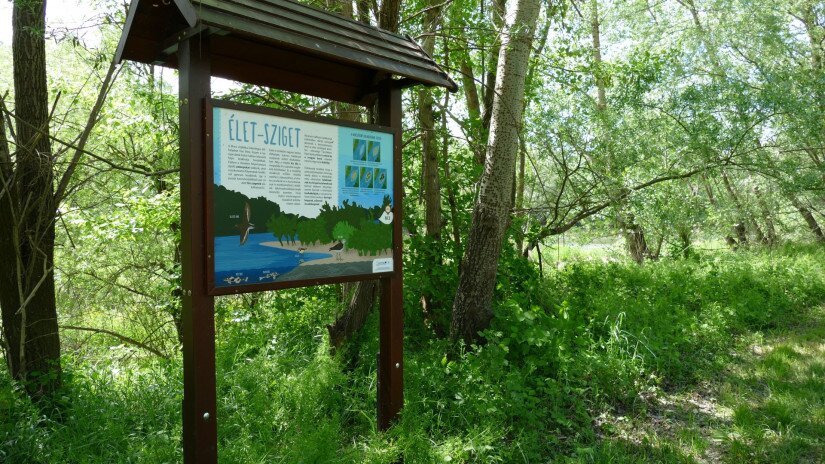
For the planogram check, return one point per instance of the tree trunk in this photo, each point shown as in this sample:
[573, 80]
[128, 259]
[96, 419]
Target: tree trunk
[809, 219]
[745, 218]
[27, 234]
[355, 316]
[635, 240]
[468, 83]
[429, 147]
[490, 81]
[633, 234]
[451, 195]
[472, 308]
[364, 292]
[767, 216]
[732, 243]
[429, 166]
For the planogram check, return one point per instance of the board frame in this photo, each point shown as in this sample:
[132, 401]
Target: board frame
[208, 178]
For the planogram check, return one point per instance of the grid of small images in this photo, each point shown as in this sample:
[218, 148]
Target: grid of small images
[365, 176]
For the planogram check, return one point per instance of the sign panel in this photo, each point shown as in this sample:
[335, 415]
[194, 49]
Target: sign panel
[296, 200]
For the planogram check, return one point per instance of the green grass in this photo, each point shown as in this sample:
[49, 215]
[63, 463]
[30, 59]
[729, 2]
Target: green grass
[767, 406]
[717, 358]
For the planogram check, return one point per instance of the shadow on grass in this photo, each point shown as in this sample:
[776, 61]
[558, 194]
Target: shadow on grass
[628, 451]
[777, 394]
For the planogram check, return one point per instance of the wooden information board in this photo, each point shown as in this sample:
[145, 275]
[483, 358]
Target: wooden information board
[296, 200]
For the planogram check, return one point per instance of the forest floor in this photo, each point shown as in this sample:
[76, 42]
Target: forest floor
[767, 405]
[719, 358]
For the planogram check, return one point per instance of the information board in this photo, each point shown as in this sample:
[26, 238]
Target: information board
[296, 200]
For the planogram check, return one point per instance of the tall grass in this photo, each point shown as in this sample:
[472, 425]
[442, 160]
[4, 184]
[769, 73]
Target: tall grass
[562, 349]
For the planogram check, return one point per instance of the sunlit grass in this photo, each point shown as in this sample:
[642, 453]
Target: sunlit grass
[778, 395]
[714, 359]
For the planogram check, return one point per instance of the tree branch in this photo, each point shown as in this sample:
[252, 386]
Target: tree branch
[120, 337]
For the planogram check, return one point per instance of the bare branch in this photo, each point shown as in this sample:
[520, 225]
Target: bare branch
[120, 337]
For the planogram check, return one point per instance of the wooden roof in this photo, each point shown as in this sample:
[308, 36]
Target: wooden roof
[279, 43]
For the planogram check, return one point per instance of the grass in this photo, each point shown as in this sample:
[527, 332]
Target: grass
[713, 359]
[766, 406]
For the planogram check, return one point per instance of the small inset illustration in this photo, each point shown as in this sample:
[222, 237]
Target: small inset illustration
[374, 152]
[359, 150]
[380, 181]
[366, 177]
[386, 216]
[351, 176]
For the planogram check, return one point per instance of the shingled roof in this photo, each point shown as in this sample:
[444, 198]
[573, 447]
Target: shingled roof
[303, 49]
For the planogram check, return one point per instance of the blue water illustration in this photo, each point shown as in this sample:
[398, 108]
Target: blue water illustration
[254, 263]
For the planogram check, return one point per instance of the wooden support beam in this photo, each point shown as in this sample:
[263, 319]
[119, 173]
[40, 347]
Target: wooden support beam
[391, 322]
[198, 311]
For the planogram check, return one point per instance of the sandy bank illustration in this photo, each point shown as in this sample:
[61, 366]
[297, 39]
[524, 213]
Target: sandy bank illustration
[258, 243]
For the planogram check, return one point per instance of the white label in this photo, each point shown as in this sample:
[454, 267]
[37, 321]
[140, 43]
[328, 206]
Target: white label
[382, 265]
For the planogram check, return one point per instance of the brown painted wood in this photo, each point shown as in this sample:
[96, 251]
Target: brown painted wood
[282, 25]
[249, 51]
[285, 20]
[197, 315]
[231, 68]
[342, 51]
[391, 318]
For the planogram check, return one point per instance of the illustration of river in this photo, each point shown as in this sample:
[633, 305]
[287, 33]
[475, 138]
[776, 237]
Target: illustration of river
[254, 263]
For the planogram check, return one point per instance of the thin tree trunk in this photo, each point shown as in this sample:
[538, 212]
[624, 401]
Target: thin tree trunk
[809, 219]
[633, 234]
[712, 199]
[451, 196]
[429, 166]
[489, 89]
[745, 218]
[27, 234]
[364, 292]
[472, 308]
[767, 216]
[468, 83]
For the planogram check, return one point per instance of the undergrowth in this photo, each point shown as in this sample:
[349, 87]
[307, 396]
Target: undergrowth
[564, 347]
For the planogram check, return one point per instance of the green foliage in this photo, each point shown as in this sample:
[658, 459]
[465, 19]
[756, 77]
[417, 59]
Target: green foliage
[371, 238]
[342, 231]
[564, 349]
[283, 226]
[311, 231]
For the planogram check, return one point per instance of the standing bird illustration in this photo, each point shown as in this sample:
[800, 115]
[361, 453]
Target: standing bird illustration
[337, 248]
[245, 226]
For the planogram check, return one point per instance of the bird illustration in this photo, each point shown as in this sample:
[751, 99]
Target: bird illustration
[337, 248]
[245, 226]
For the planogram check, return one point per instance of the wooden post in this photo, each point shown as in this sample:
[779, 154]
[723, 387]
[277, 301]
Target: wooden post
[198, 311]
[391, 323]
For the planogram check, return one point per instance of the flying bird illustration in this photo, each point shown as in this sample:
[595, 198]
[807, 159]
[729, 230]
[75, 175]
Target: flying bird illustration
[245, 226]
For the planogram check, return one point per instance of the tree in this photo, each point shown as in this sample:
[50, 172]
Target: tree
[342, 231]
[472, 308]
[364, 292]
[30, 194]
[27, 292]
